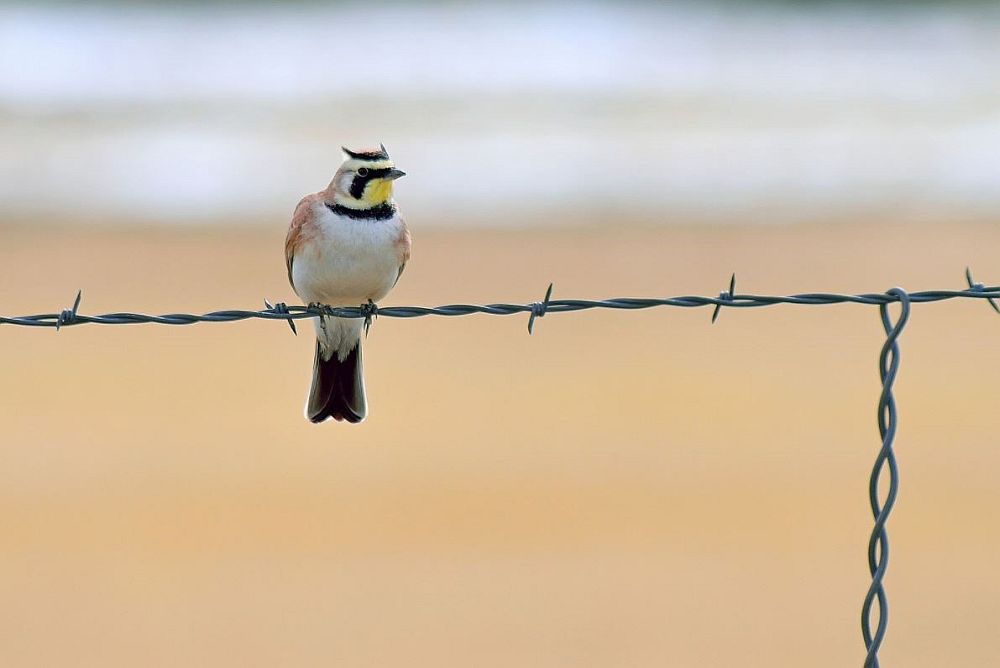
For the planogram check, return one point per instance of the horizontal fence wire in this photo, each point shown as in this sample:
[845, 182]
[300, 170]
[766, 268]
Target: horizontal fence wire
[727, 299]
[875, 605]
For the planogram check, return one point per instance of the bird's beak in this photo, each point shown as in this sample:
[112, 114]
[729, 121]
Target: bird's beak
[394, 174]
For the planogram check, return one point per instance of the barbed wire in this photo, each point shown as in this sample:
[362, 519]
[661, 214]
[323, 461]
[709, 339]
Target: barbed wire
[875, 601]
[280, 311]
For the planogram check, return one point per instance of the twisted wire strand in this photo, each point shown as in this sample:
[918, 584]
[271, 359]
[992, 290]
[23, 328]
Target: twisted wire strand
[878, 543]
[71, 317]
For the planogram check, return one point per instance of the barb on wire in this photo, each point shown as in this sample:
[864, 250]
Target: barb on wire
[538, 309]
[68, 316]
[973, 285]
[725, 297]
[281, 307]
[534, 309]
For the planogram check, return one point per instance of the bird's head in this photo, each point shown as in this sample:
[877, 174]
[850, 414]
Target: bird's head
[364, 180]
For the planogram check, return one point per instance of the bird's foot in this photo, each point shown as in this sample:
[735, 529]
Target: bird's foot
[321, 308]
[370, 311]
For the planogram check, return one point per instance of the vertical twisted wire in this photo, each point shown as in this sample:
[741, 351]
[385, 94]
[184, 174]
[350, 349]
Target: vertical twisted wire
[878, 544]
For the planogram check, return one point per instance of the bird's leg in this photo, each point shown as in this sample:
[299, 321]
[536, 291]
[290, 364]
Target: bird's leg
[323, 309]
[369, 310]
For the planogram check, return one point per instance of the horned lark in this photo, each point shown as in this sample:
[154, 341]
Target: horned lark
[346, 246]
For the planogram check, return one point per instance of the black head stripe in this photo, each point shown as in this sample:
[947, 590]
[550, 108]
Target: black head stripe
[359, 182]
[380, 154]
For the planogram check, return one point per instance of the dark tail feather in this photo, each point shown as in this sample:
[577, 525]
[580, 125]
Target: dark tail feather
[338, 388]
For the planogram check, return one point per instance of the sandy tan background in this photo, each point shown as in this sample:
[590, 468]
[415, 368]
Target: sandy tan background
[621, 489]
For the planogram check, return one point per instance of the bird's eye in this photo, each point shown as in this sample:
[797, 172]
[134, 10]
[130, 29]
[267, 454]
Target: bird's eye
[363, 171]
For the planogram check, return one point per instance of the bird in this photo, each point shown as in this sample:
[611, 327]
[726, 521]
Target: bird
[346, 245]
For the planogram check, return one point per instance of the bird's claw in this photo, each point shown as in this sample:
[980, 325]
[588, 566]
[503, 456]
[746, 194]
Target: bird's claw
[370, 311]
[321, 308]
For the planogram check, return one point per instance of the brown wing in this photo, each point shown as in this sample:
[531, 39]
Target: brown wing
[403, 248]
[300, 230]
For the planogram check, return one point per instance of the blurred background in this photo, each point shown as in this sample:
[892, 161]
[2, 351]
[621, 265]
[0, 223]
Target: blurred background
[626, 489]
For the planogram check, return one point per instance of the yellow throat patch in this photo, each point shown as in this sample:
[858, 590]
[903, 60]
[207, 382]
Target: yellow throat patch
[377, 192]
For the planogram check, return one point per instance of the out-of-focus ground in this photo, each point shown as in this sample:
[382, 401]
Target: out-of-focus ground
[620, 489]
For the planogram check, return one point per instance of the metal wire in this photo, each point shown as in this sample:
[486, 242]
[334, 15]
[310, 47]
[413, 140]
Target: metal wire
[728, 299]
[878, 544]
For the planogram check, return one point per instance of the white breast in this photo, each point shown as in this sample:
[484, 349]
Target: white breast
[349, 261]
